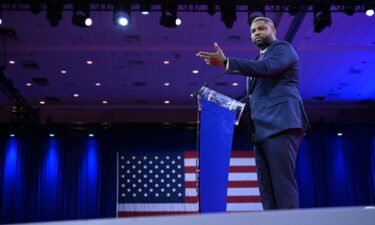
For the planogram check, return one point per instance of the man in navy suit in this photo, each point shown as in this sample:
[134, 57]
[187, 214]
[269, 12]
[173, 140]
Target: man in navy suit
[277, 112]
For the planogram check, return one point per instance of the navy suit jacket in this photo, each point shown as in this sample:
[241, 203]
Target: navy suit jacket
[275, 102]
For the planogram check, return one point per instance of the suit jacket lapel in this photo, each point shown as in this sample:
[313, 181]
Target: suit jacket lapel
[252, 80]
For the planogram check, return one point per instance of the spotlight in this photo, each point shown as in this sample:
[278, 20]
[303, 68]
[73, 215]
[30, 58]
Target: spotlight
[370, 10]
[81, 14]
[145, 9]
[228, 14]
[168, 15]
[349, 9]
[293, 9]
[1, 10]
[91, 135]
[121, 13]
[54, 13]
[211, 9]
[178, 22]
[52, 135]
[88, 22]
[1, 17]
[322, 17]
[255, 10]
[35, 7]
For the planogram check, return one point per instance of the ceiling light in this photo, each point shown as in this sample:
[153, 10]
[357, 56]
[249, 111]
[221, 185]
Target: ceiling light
[195, 71]
[12, 135]
[91, 135]
[121, 13]
[98, 84]
[235, 84]
[145, 9]
[28, 84]
[88, 22]
[228, 14]
[167, 102]
[63, 71]
[166, 84]
[1, 17]
[54, 13]
[52, 135]
[166, 62]
[370, 12]
[89, 62]
[81, 14]
[105, 102]
[42, 102]
[12, 62]
[178, 21]
[76, 95]
[168, 15]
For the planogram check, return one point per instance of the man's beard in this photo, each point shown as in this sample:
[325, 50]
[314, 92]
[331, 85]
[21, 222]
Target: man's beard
[264, 43]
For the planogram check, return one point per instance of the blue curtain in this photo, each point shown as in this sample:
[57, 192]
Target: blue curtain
[44, 179]
[337, 170]
[72, 176]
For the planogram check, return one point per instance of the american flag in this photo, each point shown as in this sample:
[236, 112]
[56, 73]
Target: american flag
[164, 183]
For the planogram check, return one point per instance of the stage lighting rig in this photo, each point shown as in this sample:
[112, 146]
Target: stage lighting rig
[81, 14]
[322, 16]
[121, 13]
[228, 14]
[168, 15]
[54, 13]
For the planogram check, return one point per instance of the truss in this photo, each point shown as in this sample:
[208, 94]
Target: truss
[196, 5]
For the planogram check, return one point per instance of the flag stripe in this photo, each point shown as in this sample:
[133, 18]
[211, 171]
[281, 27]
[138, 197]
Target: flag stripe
[242, 169]
[230, 199]
[232, 176]
[241, 184]
[242, 199]
[233, 184]
[244, 207]
[234, 154]
[158, 207]
[191, 199]
[232, 169]
[150, 213]
[233, 162]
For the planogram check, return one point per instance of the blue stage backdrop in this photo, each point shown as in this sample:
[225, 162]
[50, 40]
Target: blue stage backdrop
[73, 176]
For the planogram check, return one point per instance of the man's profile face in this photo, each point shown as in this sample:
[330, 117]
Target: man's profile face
[262, 34]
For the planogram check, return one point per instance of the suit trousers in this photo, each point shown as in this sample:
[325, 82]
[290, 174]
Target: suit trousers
[275, 158]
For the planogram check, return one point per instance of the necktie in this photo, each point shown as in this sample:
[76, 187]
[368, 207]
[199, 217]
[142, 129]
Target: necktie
[251, 80]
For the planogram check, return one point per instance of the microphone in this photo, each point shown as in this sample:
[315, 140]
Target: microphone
[214, 78]
[195, 94]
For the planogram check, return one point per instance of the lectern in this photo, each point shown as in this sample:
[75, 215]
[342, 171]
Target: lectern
[217, 116]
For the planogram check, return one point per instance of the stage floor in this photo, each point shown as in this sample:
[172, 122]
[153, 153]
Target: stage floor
[321, 216]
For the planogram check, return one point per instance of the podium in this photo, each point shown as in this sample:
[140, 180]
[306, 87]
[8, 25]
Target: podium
[218, 114]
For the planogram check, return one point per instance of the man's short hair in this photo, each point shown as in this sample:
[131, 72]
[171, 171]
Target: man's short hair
[260, 18]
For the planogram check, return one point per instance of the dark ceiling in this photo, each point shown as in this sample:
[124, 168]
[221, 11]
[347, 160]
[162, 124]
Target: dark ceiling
[337, 65]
